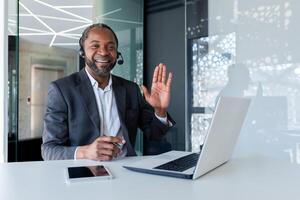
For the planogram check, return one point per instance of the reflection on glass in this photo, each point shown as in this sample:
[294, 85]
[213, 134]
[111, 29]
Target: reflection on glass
[267, 72]
[49, 33]
[126, 19]
[139, 67]
[211, 56]
[12, 108]
[12, 79]
[200, 125]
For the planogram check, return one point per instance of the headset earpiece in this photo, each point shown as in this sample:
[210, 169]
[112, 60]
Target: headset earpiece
[81, 52]
[120, 59]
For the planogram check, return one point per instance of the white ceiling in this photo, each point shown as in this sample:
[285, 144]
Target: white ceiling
[52, 22]
[61, 22]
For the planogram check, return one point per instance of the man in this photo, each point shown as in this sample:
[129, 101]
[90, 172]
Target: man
[94, 115]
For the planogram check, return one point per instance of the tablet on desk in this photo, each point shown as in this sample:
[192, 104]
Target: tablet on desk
[87, 173]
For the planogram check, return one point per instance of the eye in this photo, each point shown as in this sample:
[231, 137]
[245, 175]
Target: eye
[111, 47]
[95, 46]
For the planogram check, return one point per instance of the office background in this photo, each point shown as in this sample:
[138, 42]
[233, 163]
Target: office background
[237, 48]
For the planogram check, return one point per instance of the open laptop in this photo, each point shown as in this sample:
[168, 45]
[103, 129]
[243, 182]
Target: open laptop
[218, 146]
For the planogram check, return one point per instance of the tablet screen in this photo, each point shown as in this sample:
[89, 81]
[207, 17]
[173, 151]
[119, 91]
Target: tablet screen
[87, 171]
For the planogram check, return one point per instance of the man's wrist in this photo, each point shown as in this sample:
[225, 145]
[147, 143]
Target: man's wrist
[164, 120]
[79, 152]
[161, 112]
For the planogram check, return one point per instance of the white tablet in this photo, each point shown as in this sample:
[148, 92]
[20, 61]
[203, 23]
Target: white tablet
[87, 173]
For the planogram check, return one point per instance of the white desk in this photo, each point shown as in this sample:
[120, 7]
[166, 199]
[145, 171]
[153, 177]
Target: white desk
[244, 177]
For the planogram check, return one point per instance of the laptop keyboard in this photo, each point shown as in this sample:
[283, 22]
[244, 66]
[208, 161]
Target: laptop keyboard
[181, 164]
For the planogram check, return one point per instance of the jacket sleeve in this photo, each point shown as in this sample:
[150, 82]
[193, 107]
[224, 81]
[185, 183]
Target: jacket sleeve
[55, 134]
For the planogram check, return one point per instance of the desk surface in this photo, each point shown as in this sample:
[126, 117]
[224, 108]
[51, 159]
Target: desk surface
[242, 178]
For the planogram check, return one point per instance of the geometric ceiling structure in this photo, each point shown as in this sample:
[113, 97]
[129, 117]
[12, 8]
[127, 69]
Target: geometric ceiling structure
[61, 22]
[54, 22]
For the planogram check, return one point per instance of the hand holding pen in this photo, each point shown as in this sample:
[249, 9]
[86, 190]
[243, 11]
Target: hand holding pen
[103, 148]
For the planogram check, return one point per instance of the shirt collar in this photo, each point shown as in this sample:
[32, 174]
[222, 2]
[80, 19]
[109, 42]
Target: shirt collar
[95, 83]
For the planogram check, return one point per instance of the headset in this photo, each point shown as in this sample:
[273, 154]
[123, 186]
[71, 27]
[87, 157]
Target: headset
[120, 59]
[81, 52]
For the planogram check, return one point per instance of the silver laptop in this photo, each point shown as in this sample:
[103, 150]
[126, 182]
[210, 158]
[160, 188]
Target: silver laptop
[218, 146]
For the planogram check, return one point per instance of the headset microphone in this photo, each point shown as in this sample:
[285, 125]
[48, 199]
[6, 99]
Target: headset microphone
[120, 59]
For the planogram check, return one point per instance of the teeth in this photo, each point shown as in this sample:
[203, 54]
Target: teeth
[102, 61]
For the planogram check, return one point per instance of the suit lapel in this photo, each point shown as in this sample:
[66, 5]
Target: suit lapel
[88, 98]
[89, 101]
[120, 96]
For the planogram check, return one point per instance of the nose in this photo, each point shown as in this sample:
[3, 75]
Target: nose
[102, 51]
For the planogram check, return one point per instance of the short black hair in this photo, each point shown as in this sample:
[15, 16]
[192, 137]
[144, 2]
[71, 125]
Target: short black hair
[86, 32]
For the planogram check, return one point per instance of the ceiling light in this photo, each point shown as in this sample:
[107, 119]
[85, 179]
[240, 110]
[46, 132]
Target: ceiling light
[79, 6]
[37, 18]
[64, 44]
[61, 10]
[51, 17]
[76, 28]
[51, 43]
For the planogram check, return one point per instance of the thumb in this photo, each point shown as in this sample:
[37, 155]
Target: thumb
[146, 92]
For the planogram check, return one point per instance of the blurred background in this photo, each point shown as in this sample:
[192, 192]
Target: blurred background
[213, 48]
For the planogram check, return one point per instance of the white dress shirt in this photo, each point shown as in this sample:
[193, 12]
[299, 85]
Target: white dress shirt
[108, 112]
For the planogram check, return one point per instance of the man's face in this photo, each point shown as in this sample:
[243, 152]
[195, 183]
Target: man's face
[100, 49]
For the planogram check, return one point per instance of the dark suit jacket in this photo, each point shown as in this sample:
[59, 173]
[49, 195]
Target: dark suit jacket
[72, 117]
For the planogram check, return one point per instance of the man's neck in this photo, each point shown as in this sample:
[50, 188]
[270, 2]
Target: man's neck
[102, 80]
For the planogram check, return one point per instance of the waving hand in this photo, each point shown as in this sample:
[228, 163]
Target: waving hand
[159, 96]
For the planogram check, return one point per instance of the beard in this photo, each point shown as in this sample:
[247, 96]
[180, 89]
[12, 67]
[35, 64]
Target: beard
[99, 71]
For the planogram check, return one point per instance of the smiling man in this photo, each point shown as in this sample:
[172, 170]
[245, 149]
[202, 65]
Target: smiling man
[93, 114]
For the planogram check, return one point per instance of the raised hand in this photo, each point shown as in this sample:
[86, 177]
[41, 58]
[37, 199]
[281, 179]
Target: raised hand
[159, 96]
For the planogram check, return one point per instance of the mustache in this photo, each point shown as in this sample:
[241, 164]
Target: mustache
[99, 71]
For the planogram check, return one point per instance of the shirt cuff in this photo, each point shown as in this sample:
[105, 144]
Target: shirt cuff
[75, 153]
[164, 120]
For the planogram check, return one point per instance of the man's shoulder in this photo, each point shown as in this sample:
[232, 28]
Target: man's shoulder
[122, 81]
[70, 80]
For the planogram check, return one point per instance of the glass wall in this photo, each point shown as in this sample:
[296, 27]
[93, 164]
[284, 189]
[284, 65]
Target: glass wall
[126, 19]
[13, 50]
[47, 49]
[250, 50]
[3, 80]
[197, 41]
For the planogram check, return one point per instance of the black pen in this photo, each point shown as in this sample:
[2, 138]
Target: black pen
[117, 145]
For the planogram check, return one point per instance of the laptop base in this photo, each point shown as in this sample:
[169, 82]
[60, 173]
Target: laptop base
[161, 173]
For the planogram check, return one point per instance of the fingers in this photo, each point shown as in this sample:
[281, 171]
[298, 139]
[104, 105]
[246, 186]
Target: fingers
[102, 157]
[155, 74]
[160, 74]
[107, 153]
[169, 81]
[163, 68]
[107, 147]
[160, 71]
[146, 92]
[111, 139]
